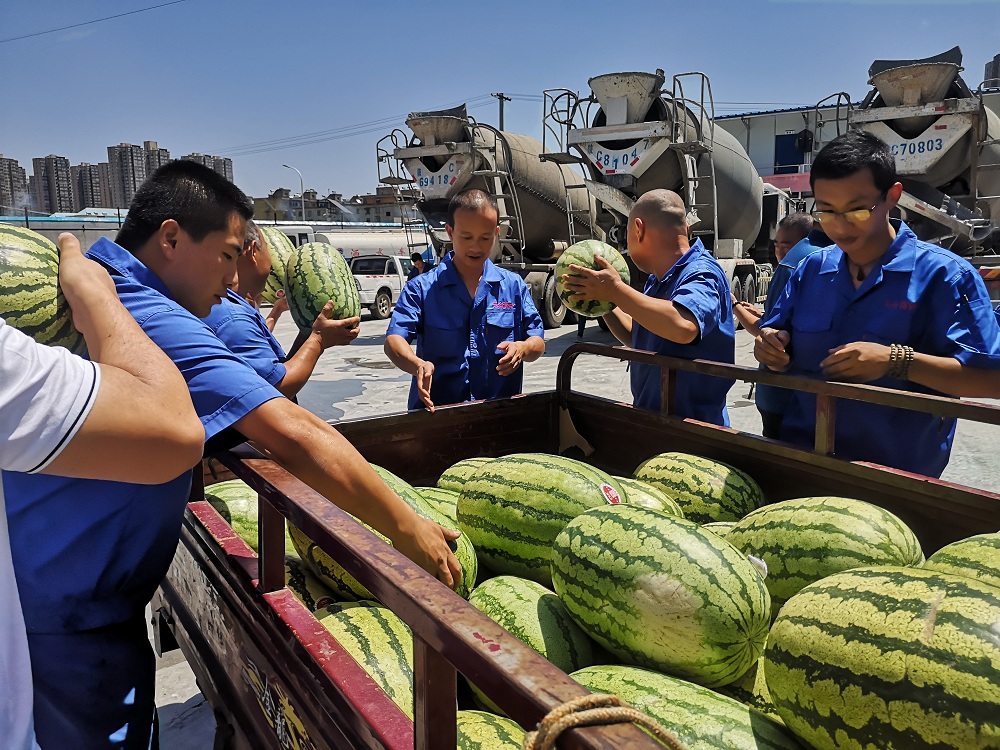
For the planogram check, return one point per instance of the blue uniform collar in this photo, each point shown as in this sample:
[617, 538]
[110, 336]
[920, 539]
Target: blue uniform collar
[123, 263]
[695, 249]
[901, 255]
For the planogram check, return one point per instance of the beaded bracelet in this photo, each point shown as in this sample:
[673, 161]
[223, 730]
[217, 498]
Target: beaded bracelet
[900, 359]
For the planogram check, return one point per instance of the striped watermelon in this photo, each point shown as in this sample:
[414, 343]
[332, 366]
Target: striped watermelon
[583, 254]
[478, 730]
[698, 717]
[457, 474]
[326, 569]
[976, 557]
[892, 658]
[751, 689]
[807, 539]
[236, 501]
[706, 490]
[648, 496]
[301, 582]
[534, 615]
[659, 592]
[514, 506]
[280, 248]
[316, 273]
[719, 527]
[30, 298]
[381, 643]
[443, 501]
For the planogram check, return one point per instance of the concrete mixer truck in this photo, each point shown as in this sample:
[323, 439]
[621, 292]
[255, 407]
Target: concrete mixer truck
[540, 212]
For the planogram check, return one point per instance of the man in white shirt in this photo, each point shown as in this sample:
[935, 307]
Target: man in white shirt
[126, 415]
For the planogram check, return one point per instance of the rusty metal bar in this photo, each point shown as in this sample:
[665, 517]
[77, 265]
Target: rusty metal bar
[826, 423]
[435, 698]
[941, 406]
[271, 546]
[668, 391]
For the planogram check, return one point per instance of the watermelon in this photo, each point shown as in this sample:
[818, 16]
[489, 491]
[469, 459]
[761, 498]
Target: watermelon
[719, 527]
[976, 557]
[648, 496]
[534, 615]
[457, 474]
[751, 689]
[280, 248]
[326, 569]
[443, 501]
[583, 254]
[698, 717]
[892, 658]
[236, 501]
[804, 540]
[514, 506]
[30, 298]
[301, 582]
[478, 730]
[706, 490]
[317, 273]
[659, 592]
[381, 643]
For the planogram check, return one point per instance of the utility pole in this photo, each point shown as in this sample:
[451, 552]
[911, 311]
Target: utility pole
[499, 96]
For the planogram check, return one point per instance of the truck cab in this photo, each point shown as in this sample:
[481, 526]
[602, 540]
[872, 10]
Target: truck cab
[379, 279]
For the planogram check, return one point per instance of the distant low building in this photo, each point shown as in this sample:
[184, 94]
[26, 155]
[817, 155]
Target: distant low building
[281, 205]
[385, 205]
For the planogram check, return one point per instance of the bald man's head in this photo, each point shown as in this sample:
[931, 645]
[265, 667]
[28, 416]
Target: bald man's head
[661, 210]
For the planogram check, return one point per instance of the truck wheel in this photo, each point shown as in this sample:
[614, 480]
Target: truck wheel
[737, 289]
[553, 311]
[382, 308]
[750, 290]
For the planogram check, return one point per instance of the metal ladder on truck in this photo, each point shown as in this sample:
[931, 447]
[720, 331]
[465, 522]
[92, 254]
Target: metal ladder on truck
[491, 145]
[391, 172]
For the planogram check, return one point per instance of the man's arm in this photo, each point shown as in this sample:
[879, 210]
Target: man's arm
[518, 352]
[142, 428]
[399, 352]
[748, 315]
[321, 457]
[326, 332]
[620, 325]
[280, 305]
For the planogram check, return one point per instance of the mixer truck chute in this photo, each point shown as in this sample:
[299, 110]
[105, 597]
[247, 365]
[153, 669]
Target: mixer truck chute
[540, 212]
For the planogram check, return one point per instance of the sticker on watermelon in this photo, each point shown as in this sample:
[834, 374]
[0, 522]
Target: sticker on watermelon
[611, 494]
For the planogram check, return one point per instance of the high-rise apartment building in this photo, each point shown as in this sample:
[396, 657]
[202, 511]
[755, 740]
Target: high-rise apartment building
[221, 164]
[127, 164]
[53, 184]
[156, 157]
[91, 187]
[13, 186]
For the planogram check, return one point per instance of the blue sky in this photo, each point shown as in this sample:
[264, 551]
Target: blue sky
[239, 78]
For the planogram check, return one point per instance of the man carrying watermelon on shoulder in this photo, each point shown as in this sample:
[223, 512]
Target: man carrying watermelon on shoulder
[89, 554]
[475, 324]
[685, 310]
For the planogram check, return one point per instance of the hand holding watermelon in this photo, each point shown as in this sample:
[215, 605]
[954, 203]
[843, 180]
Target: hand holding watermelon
[589, 276]
[334, 332]
[427, 545]
[587, 284]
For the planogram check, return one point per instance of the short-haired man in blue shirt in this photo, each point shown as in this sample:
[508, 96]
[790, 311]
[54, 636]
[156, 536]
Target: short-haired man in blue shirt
[475, 324]
[684, 311]
[879, 307]
[89, 554]
[245, 332]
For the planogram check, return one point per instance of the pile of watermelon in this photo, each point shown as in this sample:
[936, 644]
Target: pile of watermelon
[734, 622]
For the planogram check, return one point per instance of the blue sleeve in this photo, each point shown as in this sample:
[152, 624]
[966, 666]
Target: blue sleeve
[777, 286]
[700, 295]
[223, 388]
[969, 331]
[244, 338]
[780, 316]
[408, 316]
[531, 321]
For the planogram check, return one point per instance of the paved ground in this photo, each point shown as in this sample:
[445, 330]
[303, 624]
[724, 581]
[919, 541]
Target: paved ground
[359, 381]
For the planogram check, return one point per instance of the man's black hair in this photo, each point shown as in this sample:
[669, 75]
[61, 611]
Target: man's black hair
[471, 200]
[800, 223]
[851, 152]
[199, 199]
[416, 256]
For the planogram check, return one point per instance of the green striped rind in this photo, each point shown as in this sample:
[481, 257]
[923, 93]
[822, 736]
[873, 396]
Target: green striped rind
[316, 273]
[706, 490]
[30, 298]
[478, 730]
[751, 689]
[443, 501]
[514, 506]
[534, 615]
[326, 569]
[280, 248]
[463, 547]
[648, 496]
[381, 643]
[309, 589]
[236, 501]
[659, 592]
[721, 528]
[698, 717]
[582, 254]
[977, 557]
[458, 473]
[807, 539]
[891, 658]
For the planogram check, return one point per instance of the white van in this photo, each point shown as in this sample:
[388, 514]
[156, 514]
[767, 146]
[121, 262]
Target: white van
[380, 279]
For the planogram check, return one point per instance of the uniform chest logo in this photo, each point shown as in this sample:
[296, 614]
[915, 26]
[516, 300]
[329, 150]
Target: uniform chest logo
[503, 305]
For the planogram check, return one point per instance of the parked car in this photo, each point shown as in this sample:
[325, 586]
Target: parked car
[380, 279]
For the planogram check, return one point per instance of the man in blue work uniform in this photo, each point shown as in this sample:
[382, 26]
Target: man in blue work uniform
[879, 307]
[88, 554]
[245, 332]
[475, 324]
[684, 311]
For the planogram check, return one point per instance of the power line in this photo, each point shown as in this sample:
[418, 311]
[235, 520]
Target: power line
[87, 23]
